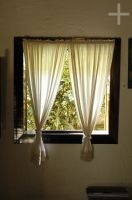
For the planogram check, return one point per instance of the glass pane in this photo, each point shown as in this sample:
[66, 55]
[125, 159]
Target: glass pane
[63, 115]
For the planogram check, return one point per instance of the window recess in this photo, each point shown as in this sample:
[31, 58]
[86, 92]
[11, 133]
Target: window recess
[21, 135]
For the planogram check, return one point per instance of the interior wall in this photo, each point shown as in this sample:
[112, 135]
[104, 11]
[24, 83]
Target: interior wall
[64, 175]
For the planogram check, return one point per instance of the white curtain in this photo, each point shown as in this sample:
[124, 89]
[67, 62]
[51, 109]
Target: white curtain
[44, 63]
[89, 69]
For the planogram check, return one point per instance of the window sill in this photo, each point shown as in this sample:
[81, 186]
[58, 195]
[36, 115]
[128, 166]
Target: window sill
[67, 137]
[62, 137]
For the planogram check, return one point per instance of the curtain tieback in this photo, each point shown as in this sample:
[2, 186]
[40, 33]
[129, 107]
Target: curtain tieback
[87, 138]
[38, 131]
[38, 153]
[87, 149]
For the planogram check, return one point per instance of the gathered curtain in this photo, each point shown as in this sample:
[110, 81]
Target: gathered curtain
[44, 63]
[90, 64]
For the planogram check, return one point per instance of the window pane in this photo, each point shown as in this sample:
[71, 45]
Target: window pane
[63, 115]
[103, 117]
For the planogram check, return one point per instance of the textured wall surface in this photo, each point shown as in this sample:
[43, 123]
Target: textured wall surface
[64, 176]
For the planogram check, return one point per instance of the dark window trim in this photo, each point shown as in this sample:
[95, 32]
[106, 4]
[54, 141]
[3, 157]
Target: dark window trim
[68, 136]
[74, 137]
[130, 63]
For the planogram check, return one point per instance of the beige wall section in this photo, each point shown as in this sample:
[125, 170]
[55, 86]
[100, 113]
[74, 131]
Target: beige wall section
[64, 175]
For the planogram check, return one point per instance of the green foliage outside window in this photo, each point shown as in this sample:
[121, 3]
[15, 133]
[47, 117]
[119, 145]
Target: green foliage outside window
[63, 115]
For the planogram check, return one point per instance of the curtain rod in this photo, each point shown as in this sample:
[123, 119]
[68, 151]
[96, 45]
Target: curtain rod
[68, 38]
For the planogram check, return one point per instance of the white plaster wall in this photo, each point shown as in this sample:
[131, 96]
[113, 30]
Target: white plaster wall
[64, 176]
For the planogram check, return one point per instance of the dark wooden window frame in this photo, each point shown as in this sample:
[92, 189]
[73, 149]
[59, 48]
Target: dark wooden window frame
[130, 63]
[74, 137]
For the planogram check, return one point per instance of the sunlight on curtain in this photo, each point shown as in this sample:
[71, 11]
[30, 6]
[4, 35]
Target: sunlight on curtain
[90, 64]
[44, 62]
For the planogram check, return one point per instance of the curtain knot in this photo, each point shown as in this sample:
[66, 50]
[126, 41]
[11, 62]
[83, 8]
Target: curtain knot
[87, 149]
[87, 137]
[38, 131]
[38, 152]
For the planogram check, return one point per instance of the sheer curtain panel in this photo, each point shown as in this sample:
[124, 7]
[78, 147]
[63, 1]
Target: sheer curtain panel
[44, 63]
[89, 69]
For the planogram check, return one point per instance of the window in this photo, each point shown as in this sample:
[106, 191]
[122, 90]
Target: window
[63, 115]
[23, 110]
